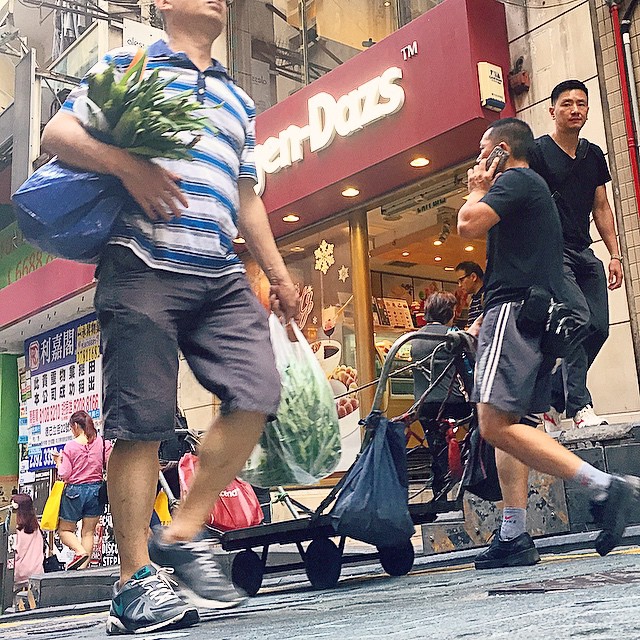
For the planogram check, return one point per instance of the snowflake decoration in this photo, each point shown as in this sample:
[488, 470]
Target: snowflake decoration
[324, 257]
[343, 273]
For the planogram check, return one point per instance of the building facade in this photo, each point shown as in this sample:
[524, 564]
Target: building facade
[369, 115]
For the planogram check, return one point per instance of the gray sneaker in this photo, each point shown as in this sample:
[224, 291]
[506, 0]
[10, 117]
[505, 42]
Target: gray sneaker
[200, 579]
[146, 603]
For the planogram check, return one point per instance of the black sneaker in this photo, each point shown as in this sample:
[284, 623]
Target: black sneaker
[614, 512]
[519, 552]
[146, 603]
[195, 568]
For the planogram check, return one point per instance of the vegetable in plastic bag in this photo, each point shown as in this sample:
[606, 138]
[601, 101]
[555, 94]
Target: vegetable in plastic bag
[302, 445]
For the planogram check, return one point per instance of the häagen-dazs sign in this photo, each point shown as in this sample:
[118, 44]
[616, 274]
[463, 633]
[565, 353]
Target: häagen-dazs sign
[328, 117]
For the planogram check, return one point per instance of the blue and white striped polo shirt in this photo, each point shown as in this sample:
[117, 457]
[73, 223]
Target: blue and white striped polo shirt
[200, 241]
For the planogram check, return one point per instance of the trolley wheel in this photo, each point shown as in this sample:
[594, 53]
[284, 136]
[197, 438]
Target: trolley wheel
[397, 561]
[323, 563]
[247, 571]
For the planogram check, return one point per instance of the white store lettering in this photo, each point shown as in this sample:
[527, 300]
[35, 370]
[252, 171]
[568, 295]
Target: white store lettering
[328, 117]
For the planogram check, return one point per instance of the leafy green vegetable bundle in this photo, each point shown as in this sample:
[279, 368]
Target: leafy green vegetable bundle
[135, 113]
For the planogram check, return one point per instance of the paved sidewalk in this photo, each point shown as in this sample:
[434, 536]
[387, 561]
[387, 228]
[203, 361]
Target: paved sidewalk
[575, 595]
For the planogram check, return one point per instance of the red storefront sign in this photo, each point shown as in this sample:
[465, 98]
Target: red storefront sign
[441, 117]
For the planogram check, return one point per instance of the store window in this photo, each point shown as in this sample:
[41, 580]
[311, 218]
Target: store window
[415, 249]
[341, 29]
[409, 10]
[294, 42]
[320, 265]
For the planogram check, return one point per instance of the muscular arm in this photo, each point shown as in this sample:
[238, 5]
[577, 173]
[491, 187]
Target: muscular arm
[603, 219]
[254, 226]
[475, 218]
[153, 187]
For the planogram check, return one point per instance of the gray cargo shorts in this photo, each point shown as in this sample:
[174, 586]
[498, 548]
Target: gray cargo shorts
[508, 365]
[146, 315]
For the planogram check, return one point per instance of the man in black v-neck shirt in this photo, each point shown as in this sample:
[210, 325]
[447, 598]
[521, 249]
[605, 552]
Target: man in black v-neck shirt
[576, 172]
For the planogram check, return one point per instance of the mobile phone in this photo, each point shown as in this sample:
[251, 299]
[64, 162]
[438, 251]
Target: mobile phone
[502, 155]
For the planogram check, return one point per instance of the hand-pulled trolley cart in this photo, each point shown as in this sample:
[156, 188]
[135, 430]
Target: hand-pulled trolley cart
[322, 558]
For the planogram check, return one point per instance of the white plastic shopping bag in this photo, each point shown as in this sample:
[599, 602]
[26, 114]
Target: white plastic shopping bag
[302, 445]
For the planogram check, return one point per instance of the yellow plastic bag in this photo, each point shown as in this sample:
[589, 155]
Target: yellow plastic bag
[51, 510]
[161, 507]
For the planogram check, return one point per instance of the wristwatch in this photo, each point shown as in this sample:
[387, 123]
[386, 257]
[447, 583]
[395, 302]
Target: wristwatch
[616, 257]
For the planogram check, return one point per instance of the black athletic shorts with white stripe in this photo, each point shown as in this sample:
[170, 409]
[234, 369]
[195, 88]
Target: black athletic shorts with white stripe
[508, 365]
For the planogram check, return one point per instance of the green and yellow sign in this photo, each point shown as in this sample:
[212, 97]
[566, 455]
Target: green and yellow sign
[17, 258]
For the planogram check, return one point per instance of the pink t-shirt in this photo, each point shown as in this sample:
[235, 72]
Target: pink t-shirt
[82, 463]
[29, 556]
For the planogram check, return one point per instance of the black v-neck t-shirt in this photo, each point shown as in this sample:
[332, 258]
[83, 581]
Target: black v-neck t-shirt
[575, 187]
[525, 247]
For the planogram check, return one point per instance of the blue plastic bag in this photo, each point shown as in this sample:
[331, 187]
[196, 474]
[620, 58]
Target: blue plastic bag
[68, 212]
[373, 503]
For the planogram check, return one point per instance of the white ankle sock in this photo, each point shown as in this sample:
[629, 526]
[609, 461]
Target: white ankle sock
[514, 523]
[593, 480]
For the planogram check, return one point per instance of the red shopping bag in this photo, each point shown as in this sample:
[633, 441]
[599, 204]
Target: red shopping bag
[237, 506]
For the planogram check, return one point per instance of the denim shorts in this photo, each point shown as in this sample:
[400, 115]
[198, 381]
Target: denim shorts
[80, 501]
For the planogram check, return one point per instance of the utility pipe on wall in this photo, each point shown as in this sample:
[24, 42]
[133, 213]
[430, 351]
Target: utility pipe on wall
[626, 102]
[625, 27]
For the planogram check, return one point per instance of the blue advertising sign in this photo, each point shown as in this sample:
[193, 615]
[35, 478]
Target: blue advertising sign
[65, 371]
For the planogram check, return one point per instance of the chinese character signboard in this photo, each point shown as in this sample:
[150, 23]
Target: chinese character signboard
[65, 376]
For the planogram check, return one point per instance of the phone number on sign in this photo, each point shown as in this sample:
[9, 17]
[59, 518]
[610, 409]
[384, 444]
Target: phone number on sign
[27, 265]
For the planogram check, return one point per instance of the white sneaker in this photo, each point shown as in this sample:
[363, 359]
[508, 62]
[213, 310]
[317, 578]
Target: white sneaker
[586, 417]
[551, 420]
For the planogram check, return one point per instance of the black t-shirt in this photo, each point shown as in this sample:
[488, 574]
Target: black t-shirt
[576, 187]
[525, 247]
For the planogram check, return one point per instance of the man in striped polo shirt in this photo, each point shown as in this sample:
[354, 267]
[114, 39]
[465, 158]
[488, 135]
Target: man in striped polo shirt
[170, 280]
[471, 280]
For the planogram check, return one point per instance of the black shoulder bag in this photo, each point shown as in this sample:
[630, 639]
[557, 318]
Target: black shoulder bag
[51, 562]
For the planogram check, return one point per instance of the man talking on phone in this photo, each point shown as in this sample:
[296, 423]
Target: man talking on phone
[576, 172]
[512, 374]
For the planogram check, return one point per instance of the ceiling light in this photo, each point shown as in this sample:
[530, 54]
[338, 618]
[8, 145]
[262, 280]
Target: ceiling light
[405, 253]
[387, 3]
[239, 240]
[296, 249]
[449, 269]
[437, 243]
[469, 247]
[351, 192]
[419, 162]
[438, 258]
[292, 217]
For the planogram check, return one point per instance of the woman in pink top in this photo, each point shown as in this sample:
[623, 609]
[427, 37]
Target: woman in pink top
[29, 550]
[80, 466]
